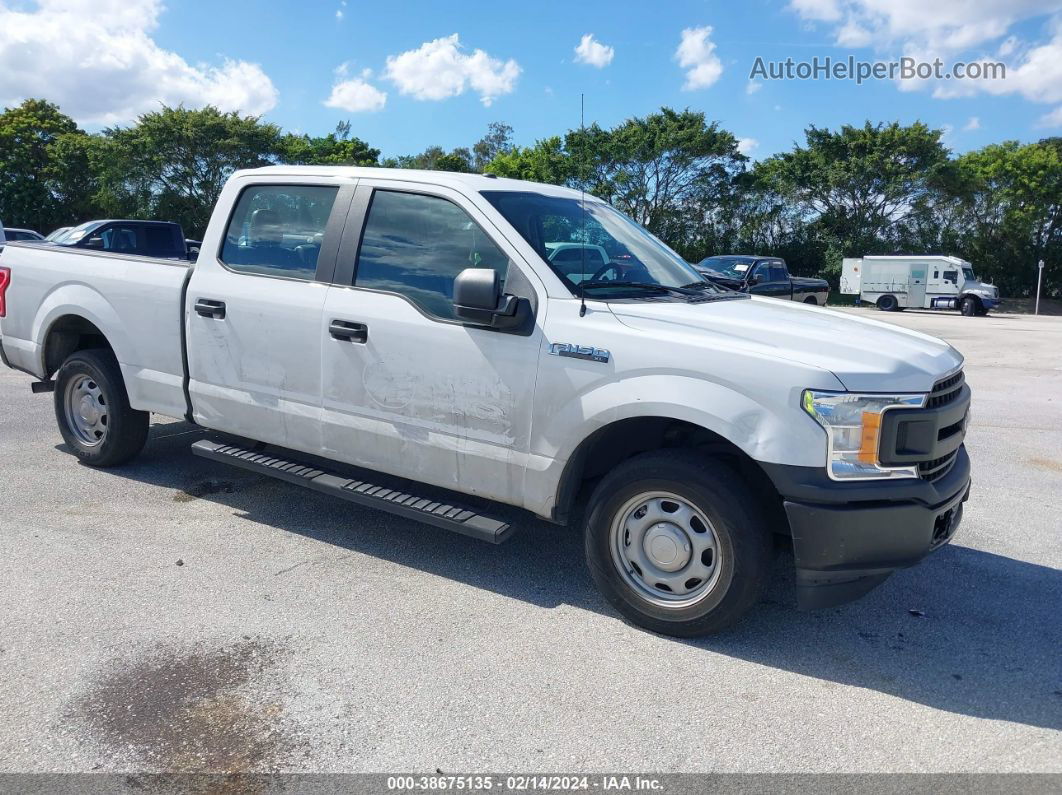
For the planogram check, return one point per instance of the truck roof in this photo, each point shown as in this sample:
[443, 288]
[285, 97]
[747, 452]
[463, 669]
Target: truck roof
[920, 257]
[452, 179]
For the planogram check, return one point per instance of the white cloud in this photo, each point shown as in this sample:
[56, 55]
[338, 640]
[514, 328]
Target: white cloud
[97, 61]
[973, 124]
[439, 69]
[696, 54]
[591, 51]
[953, 30]
[355, 94]
[341, 11]
[1052, 119]
[747, 145]
[753, 86]
[817, 10]
[942, 26]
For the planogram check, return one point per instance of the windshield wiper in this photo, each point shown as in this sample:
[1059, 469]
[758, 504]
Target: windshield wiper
[683, 291]
[719, 291]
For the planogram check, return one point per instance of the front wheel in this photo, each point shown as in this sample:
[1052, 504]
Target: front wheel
[677, 543]
[93, 412]
[969, 306]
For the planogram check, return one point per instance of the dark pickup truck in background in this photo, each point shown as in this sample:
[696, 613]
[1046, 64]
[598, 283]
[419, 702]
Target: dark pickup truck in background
[159, 239]
[767, 276]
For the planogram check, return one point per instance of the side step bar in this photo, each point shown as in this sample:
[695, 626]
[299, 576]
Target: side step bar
[441, 514]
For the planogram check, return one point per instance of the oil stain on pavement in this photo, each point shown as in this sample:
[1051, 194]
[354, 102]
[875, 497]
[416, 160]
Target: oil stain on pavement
[198, 710]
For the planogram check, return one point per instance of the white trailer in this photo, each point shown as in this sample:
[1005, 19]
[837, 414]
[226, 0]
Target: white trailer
[932, 281]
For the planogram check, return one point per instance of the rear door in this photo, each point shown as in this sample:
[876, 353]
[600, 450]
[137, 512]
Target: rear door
[916, 288]
[254, 311]
[408, 388]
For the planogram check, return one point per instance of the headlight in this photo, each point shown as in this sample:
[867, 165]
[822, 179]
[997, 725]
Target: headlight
[853, 432]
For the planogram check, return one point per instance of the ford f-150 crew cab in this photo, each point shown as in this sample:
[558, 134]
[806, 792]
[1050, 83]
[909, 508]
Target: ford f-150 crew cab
[416, 326]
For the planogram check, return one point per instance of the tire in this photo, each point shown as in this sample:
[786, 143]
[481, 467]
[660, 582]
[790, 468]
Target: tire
[969, 306]
[93, 413]
[888, 303]
[715, 514]
[811, 300]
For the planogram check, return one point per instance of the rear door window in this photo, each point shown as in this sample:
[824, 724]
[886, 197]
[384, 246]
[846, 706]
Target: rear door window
[277, 230]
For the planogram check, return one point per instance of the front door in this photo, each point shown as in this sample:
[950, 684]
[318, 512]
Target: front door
[254, 313]
[409, 389]
[770, 280]
[942, 282]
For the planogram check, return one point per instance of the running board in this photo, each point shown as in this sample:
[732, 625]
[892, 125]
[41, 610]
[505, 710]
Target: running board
[441, 514]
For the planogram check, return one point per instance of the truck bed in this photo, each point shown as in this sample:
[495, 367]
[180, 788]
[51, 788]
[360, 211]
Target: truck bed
[136, 301]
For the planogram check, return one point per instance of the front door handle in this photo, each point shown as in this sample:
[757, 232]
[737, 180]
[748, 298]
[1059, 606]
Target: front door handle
[208, 308]
[349, 332]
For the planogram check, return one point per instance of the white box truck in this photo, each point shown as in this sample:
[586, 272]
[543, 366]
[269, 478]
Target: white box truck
[932, 281]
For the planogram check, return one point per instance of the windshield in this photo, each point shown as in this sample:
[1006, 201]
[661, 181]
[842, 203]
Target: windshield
[589, 243]
[58, 234]
[968, 274]
[730, 267]
[78, 232]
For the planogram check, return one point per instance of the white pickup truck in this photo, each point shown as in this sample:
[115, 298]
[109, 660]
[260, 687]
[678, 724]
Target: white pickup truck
[413, 325]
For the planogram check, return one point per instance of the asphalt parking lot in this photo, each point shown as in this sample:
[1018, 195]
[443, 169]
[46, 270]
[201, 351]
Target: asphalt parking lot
[177, 614]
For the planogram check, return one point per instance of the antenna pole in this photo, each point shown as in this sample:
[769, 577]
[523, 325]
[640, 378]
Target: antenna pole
[582, 201]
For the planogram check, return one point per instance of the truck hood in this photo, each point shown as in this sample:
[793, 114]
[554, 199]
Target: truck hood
[865, 355]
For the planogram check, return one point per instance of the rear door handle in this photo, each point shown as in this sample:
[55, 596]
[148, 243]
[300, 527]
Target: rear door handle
[349, 332]
[208, 308]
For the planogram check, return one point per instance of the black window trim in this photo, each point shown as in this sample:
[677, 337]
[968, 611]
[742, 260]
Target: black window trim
[330, 246]
[346, 270]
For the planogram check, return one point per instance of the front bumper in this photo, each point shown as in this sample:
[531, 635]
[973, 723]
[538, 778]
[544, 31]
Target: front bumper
[849, 537]
[989, 303]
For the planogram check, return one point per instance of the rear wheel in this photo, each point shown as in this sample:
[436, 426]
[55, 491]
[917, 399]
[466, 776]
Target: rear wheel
[677, 543]
[888, 303]
[811, 300]
[969, 306]
[93, 413]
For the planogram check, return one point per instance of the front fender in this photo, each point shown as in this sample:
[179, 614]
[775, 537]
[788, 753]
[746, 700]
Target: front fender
[768, 427]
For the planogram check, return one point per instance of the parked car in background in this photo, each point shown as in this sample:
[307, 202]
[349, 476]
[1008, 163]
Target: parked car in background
[415, 324]
[22, 235]
[766, 276]
[57, 234]
[159, 239]
[192, 247]
[929, 281]
[2, 237]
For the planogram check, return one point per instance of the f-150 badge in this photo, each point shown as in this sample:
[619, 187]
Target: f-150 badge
[587, 352]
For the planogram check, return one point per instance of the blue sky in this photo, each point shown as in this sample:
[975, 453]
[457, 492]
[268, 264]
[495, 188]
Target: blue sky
[284, 59]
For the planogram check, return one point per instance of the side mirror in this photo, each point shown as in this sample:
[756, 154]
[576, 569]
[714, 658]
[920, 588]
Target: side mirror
[478, 299]
[755, 278]
[93, 242]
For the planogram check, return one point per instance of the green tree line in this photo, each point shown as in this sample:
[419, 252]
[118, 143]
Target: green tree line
[871, 189]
